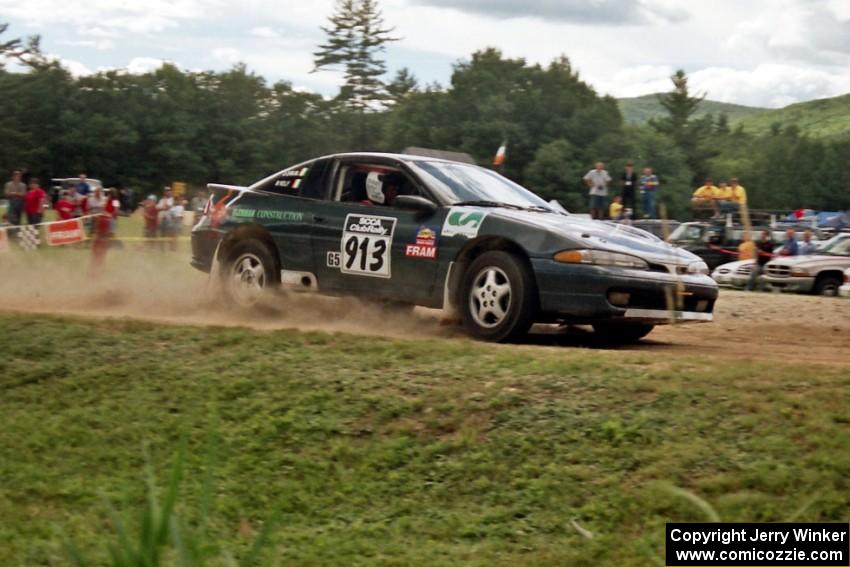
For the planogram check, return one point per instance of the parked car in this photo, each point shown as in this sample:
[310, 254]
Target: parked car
[424, 231]
[821, 273]
[733, 274]
[844, 290]
[660, 228]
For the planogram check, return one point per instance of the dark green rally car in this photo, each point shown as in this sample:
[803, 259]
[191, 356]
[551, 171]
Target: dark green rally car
[410, 230]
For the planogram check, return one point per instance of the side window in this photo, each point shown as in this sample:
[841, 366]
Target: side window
[376, 185]
[305, 181]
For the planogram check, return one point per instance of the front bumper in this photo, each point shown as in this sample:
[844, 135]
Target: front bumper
[844, 290]
[581, 294]
[793, 284]
[205, 241]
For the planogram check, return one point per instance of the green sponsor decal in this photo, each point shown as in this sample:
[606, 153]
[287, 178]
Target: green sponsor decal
[246, 213]
[241, 212]
[290, 216]
[463, 222]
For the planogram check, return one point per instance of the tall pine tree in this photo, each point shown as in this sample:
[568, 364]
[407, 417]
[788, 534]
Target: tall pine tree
[356, 38]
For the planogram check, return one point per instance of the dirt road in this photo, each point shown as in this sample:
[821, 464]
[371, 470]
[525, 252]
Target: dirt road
[162, 287]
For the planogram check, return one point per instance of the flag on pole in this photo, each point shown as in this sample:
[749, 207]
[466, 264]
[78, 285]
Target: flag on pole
[500, 154]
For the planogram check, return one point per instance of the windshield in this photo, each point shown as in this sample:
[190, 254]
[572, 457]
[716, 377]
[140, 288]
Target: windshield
[686, 231]
[461, 183]
[839, 248]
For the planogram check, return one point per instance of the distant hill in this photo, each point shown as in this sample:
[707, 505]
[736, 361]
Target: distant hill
[822, 118]
[638, 110]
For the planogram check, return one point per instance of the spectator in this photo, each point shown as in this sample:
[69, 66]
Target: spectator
[151, 216]
[630, 181]
[15, 191]
[765, 253]
[790, 247]
[597, 180]
[83, 186]
[727, 200]
[114, 207]
[95, 204]
[807, 246]
[738, 193]
[163, 208]
[704, 198]
[747, 248]
[64, 206]
[78, 201]
[34, 202]
[648, 188]
[615, 211]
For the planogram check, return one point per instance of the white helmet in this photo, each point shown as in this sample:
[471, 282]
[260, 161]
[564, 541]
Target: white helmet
[375, 188]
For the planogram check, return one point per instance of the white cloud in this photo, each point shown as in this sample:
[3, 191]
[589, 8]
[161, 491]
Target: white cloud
[760, 52]
[76, 68]
[142, 65]
[265, 32]
[100, 44]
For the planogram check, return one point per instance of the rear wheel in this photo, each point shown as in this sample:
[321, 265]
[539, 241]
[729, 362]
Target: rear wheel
[498, 297]
[827, 285]
[622, 333]
[249, 273]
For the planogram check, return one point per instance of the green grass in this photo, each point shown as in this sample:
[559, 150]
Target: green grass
[402, 452]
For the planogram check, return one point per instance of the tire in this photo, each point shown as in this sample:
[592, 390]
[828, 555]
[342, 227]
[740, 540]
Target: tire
[622, 333]
[498, 297]
[249, 273]
[827, 285]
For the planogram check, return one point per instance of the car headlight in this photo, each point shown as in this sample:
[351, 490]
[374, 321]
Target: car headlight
[601, 258]
[698, 268]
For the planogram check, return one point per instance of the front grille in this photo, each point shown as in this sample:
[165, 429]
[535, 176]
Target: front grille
[744, 270]
[657, 299]
[723, 271]
[778, 270]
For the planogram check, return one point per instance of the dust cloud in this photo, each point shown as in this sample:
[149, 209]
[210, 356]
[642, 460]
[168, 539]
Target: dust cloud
[142, 283]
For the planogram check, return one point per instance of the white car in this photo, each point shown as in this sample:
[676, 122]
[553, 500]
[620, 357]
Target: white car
[844, 290]
[723, 273]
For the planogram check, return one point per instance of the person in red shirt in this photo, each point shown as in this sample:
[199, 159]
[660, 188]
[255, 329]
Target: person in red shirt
[65, 207]
[34, 202]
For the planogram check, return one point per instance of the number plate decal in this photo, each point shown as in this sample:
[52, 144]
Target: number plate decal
[366, 246]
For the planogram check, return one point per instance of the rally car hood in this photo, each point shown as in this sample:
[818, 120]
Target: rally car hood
[578, 232]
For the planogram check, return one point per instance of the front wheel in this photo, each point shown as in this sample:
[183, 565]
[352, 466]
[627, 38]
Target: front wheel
[828, 286]
[622, 333]
[498, 297]
[248, 273]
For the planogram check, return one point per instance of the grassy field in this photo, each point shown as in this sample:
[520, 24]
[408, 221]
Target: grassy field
[401, 452]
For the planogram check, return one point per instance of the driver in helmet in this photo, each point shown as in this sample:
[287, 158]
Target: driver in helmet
[382, 189]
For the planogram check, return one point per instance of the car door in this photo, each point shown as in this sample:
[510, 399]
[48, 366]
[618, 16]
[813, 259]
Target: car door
[371, 249]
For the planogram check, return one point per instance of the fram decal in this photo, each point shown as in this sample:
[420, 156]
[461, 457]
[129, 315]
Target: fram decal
[426, 244]
[463, 222]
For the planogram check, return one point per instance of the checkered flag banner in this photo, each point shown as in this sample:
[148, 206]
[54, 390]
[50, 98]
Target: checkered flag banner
[28, 237]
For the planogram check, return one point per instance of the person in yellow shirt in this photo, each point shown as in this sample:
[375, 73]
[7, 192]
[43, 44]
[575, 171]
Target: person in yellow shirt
[615, 210]
[704, 198]
[739, 194]
[747, 248]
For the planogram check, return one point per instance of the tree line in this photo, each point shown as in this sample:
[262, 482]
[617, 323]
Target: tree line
[147, 130]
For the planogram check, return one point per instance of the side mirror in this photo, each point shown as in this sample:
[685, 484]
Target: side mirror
[415, 203]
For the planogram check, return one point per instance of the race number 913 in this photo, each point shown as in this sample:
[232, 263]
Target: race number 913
[366, 245]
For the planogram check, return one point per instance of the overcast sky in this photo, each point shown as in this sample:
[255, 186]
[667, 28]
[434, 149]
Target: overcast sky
[755, 52]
